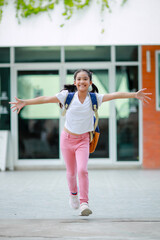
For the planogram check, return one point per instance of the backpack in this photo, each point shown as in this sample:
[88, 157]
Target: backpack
[94, 135]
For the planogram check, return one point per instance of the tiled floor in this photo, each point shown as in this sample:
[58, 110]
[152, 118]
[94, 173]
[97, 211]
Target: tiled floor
[125, 205]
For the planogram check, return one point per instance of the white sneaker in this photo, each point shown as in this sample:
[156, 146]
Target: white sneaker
[85, 210]
[74, 201]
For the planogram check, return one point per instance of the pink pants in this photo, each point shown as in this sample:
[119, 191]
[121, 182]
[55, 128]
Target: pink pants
[75, 150]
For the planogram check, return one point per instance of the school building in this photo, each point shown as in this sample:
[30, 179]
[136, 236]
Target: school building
[36, 61]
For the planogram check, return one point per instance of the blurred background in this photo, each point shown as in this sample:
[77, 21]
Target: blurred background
[39, 54]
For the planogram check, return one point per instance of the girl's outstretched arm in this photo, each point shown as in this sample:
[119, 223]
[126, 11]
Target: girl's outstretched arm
[141, 95]
[20, 103]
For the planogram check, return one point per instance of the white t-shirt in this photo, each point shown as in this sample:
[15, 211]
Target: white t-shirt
[79, 116]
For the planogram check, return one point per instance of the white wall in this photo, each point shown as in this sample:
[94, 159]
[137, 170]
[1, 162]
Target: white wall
[137, 22]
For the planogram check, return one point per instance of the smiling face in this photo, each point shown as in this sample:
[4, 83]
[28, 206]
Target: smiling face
[82, 81]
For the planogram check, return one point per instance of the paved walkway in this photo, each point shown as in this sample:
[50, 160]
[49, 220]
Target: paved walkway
[125, 205]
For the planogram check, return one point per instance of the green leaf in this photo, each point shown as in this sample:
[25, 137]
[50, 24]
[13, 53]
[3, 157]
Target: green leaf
[102, 31]
[123, 2]
[51, 6]
[68, 17]
[1, 2]
[1, 12]
[68, 3]
[25, 8]
[105, 3]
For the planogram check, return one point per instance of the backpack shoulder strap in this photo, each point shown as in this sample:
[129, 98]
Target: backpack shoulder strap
[68, 102]
[94, 107]
[94, 101]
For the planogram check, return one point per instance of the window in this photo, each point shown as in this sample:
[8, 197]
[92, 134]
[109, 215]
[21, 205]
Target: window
[126, 53]
[158, 80]
[37, 54]
[87, 54]
[38, 125]
[4, 55]
[127, 114]
[4, 98]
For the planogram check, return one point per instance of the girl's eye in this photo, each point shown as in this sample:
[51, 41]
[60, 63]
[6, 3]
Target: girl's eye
[82, 78]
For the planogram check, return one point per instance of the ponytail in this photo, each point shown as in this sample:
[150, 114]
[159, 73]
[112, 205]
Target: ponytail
[94, 88]
[70, 88]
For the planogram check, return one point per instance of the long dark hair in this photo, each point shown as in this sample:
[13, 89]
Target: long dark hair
[73, 88]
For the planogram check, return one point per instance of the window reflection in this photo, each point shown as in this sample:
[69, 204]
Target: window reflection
[127, 115]
[4, 55]
[126, 53]
[87, 53]
[37, 54]
[101, 80]
[4, 98]
[38, 124]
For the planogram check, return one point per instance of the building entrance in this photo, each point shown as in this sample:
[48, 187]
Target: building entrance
[36, 130]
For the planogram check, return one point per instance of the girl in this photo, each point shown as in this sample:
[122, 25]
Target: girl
[75, 136]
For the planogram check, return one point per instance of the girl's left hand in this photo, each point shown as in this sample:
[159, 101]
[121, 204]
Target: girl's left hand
[143, 96]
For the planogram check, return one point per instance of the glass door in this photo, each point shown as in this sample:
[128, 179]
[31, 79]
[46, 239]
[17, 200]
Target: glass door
[127, 115]
[38, 125]
[101, 80]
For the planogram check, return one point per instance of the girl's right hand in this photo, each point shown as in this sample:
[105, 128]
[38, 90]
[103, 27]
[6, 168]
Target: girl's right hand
[18, 105]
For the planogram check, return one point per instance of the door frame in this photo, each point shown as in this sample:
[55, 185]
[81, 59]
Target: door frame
[62, 68]
[14, 118]
[98, 162]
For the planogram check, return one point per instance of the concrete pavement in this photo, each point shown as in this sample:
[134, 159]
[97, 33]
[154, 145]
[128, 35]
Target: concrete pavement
[125, 205]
